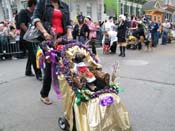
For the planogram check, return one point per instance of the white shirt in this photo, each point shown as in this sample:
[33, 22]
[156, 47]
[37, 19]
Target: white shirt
[108, 26]
[166, 26]
[112, 37]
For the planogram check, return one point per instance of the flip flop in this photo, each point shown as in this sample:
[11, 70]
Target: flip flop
[46, 101]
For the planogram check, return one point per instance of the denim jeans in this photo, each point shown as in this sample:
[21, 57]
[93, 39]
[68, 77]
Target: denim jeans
[164, 37]
[82, 39]
[155, 38]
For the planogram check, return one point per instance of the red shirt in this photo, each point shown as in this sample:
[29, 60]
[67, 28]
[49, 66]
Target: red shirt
[57, 21]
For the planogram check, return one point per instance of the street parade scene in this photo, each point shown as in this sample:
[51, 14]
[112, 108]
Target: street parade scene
[87, 65]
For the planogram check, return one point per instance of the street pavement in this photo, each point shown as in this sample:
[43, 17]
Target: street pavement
[148, 80]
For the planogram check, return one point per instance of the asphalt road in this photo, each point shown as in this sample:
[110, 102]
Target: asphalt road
[148, 80]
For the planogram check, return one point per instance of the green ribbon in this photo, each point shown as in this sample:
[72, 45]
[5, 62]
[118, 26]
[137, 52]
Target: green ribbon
[79, 98]
[120, 89]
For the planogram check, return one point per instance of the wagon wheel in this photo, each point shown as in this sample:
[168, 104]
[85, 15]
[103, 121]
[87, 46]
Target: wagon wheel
[63, 124]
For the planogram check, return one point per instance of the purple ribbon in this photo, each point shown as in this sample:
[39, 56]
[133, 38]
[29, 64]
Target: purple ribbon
[41, 61]
[106, 101]
[52, 54]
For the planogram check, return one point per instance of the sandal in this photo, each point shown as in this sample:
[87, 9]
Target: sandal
[46, 101]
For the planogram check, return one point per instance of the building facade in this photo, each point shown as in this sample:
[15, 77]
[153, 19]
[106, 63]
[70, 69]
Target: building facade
[7, 7]
[92, 8]
[159, 10]
[131, 8]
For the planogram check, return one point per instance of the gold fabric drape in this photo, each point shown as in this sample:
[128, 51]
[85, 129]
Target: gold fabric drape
[68, 97]
[91, 115]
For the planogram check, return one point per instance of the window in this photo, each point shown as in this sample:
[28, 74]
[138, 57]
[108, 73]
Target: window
[131, 10]
[78, 9]
[154, 18]
[126, 8]
[158, 18]
[89, 9]
[99, 12]
[121, 9]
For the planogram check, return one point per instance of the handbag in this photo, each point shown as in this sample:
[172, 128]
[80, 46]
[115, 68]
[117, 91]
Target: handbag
[33, 34]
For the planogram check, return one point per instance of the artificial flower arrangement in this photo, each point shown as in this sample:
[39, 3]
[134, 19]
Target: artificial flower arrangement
[84, 74]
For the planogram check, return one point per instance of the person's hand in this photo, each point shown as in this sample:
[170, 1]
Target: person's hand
[69, 34]
[47, 36]
[48, 59]
[69, 37]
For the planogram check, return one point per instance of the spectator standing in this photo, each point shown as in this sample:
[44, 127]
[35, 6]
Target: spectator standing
[154, 33]
[24, 19]
[3, 39]
[92, 33]
[166, 27]
[109, 25]
[81, 30]
[12, 34]
[122, 28]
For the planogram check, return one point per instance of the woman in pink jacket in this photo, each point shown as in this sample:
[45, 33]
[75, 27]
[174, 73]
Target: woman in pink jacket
[92, 33]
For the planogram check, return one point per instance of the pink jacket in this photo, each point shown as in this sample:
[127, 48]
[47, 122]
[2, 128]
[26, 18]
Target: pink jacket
[92, 29]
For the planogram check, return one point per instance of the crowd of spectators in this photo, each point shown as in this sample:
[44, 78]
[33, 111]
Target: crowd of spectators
[161, 33]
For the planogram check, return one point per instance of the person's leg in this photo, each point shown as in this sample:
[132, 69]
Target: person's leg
[82, 39]
[139, 45]
[46, 84]
[93, 40]
[153, 39]
[113, 47]
[156, 38]
[163, 38]
[123, 52]
[166, 37]
[23, 48]
[32, 53]
[28, 71]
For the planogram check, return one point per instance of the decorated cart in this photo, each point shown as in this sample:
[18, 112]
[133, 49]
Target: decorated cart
[89, 96]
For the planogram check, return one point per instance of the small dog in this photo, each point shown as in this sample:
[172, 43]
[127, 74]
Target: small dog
[148, 42]
[106, 49]
[148, 45]
[106, 43]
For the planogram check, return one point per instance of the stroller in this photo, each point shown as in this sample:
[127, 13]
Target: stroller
[131, 40]
[90, 99]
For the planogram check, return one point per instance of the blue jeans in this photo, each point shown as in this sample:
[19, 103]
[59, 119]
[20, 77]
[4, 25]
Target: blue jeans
[82, 39]
[155, 38]
[164, 37]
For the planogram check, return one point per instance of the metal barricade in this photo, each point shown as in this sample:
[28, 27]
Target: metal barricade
[7, 48]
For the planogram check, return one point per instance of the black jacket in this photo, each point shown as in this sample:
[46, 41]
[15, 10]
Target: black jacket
[122, 32]
[80, 32]
[24, 16]
[44, 11]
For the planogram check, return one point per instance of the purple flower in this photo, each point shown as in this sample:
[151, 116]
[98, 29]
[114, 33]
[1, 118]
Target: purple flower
[106, 101]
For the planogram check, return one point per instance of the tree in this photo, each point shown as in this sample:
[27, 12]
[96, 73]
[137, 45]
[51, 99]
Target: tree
[111, 7]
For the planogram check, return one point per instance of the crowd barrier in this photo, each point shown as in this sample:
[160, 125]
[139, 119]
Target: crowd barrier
[7, 48]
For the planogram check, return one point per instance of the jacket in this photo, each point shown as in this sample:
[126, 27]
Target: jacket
[44, 10]
[122, 31]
